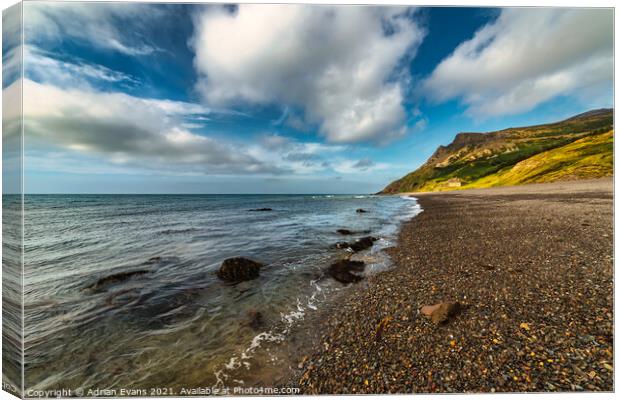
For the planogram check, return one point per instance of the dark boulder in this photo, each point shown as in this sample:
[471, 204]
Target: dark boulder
[239, 269]
[362, 244]
[342, 271]
[359, 245]
[261, 209]
[360, 211]
[344, 232]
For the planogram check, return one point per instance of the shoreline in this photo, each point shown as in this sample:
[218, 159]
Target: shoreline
[532, 266]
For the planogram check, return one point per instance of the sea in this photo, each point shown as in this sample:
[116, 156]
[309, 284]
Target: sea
[175, 325]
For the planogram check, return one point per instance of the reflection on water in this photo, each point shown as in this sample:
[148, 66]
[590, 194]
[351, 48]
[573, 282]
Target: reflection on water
[164, 319]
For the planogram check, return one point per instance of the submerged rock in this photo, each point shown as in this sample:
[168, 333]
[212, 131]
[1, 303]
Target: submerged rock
[441, 312]
[261, 209]
[342, 271]
[154, 260]
[239, 269]
[122, 297]
[255, 319]
[364, 243]
[360, 210]
[115, 278]
[344, 232]
[359, 245]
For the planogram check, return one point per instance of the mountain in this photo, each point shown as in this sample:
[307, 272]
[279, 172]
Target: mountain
[576, 148]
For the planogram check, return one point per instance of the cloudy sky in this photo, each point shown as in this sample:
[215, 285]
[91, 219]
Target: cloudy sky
[172, 98]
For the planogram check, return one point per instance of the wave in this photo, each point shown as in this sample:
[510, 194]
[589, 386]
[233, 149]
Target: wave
[277, 335]
[296, 242]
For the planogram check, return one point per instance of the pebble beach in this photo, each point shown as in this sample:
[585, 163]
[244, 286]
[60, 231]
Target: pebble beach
[531, 268]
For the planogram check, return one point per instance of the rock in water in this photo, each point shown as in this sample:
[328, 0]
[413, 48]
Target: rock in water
[344, 231]
[359, 245]
[342, 271]
[115, 278]
[239, 269]
[363, 243]
[360, 210]
[255, 319]
[441, 312]
[261, 209]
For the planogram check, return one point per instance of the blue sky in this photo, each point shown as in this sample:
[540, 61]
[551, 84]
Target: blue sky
[172, 98]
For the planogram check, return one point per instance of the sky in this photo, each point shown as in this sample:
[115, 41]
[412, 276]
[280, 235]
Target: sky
[189, 98]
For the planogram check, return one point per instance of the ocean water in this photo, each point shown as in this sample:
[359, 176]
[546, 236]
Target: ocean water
[177, 325]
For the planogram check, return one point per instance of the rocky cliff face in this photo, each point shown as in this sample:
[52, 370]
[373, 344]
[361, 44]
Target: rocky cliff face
[473, 156]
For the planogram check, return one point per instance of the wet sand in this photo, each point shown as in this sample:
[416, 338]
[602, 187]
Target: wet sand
[532, 266]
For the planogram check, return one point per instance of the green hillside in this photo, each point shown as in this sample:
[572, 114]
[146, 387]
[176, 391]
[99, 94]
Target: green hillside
[576, 148]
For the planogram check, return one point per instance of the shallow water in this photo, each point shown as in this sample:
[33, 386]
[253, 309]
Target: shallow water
[177, 325]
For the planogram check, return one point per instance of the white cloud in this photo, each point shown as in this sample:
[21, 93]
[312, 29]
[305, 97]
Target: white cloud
[58, 70]
[11, 44]
[73, 126]
[420, 124]
[123, 130]
[339, 64]
[12, 64]
[11, 26]
[358, 167]
[99, 24]
[81, 130]
[526, 57]
[364, 164]
[43, 66]
[297, 157]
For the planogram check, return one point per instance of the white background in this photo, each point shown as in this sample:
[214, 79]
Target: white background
[528, 3]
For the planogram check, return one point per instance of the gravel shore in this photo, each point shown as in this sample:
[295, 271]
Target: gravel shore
[532, 268]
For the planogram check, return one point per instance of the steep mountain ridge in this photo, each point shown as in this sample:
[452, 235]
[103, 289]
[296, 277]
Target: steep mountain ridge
[473, 159]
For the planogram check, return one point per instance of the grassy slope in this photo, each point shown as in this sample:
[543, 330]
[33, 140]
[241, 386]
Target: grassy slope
[590, 157]
[472, 171]
[583, 144]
